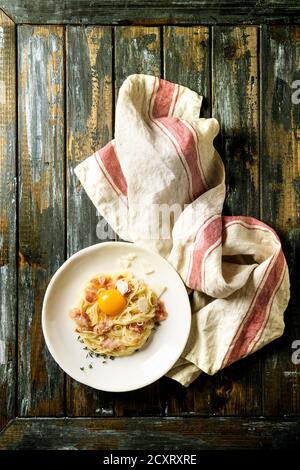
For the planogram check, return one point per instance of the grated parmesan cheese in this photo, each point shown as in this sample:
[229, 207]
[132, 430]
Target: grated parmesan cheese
[122, 286]
[142, 304]
[158, 288]
[147, 268]
[126, 260]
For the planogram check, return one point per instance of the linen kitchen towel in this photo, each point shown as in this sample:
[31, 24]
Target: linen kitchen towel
[161, 184]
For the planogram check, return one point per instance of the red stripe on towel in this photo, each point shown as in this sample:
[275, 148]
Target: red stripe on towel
[113, 168]
[163, 99]
[207, 239]
[258, 311]
[186, 141]
[105, 176]
[234, 219]
[171, 112]
[156, 123]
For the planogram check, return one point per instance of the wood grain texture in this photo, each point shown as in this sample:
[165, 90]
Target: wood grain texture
[89, 127]
[89, 123]
[151, 433]
[187, 61]
[137, 50]
[237, 390]
[280, 124]
[8, 276]
[41, 209]
[151, 11]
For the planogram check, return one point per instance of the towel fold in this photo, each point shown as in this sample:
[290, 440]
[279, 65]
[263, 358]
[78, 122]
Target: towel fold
[161, 184]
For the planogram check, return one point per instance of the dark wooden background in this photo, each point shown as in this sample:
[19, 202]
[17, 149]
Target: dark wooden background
[61, 67]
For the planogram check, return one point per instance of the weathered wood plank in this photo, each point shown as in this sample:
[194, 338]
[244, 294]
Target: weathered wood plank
[152, 11]
[280, 124]
[8, 276]
[89, 127]
[41, 209]
[187, 61]
[89, 123]
[236, 106]
[151, 433]
[137, 50]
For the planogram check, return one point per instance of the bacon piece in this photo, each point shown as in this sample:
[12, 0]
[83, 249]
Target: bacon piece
[94, 282]
[111, 344]
[75, 312]
[102, 327]
[129, 290]
[102, 281]
[83, 320]
[80, 318]
[98, 282]
[136, 327]
[160, 312]
[110, 285]
[90, 295]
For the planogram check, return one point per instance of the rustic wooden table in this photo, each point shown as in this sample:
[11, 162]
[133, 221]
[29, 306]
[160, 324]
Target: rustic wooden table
[60, 72]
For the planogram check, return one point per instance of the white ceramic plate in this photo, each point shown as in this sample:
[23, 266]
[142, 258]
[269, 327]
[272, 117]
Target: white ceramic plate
[125, 373]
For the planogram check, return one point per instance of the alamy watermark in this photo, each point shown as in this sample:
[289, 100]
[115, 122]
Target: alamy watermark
[162, 217]
[295, 358]
[296, 93]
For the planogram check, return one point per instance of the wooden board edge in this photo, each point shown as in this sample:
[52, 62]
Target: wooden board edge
[193, 433]
[8, 218]
[4, 12]
[223, 12]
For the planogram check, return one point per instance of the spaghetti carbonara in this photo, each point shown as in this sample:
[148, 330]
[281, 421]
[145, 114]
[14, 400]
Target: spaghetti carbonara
[117, 314]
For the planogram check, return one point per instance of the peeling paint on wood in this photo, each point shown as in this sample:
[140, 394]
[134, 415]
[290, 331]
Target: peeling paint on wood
[235, 88]
[151, 433]
[281, 202]
[187, 60]
[8, 280]
[137, 51]
[236, 106]
[89, 127]
[41, 209]
[89, 121]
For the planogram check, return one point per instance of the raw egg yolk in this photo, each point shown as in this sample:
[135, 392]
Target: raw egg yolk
[111, 302]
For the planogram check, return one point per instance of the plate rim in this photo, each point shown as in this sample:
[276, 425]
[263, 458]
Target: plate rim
[68, 261]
